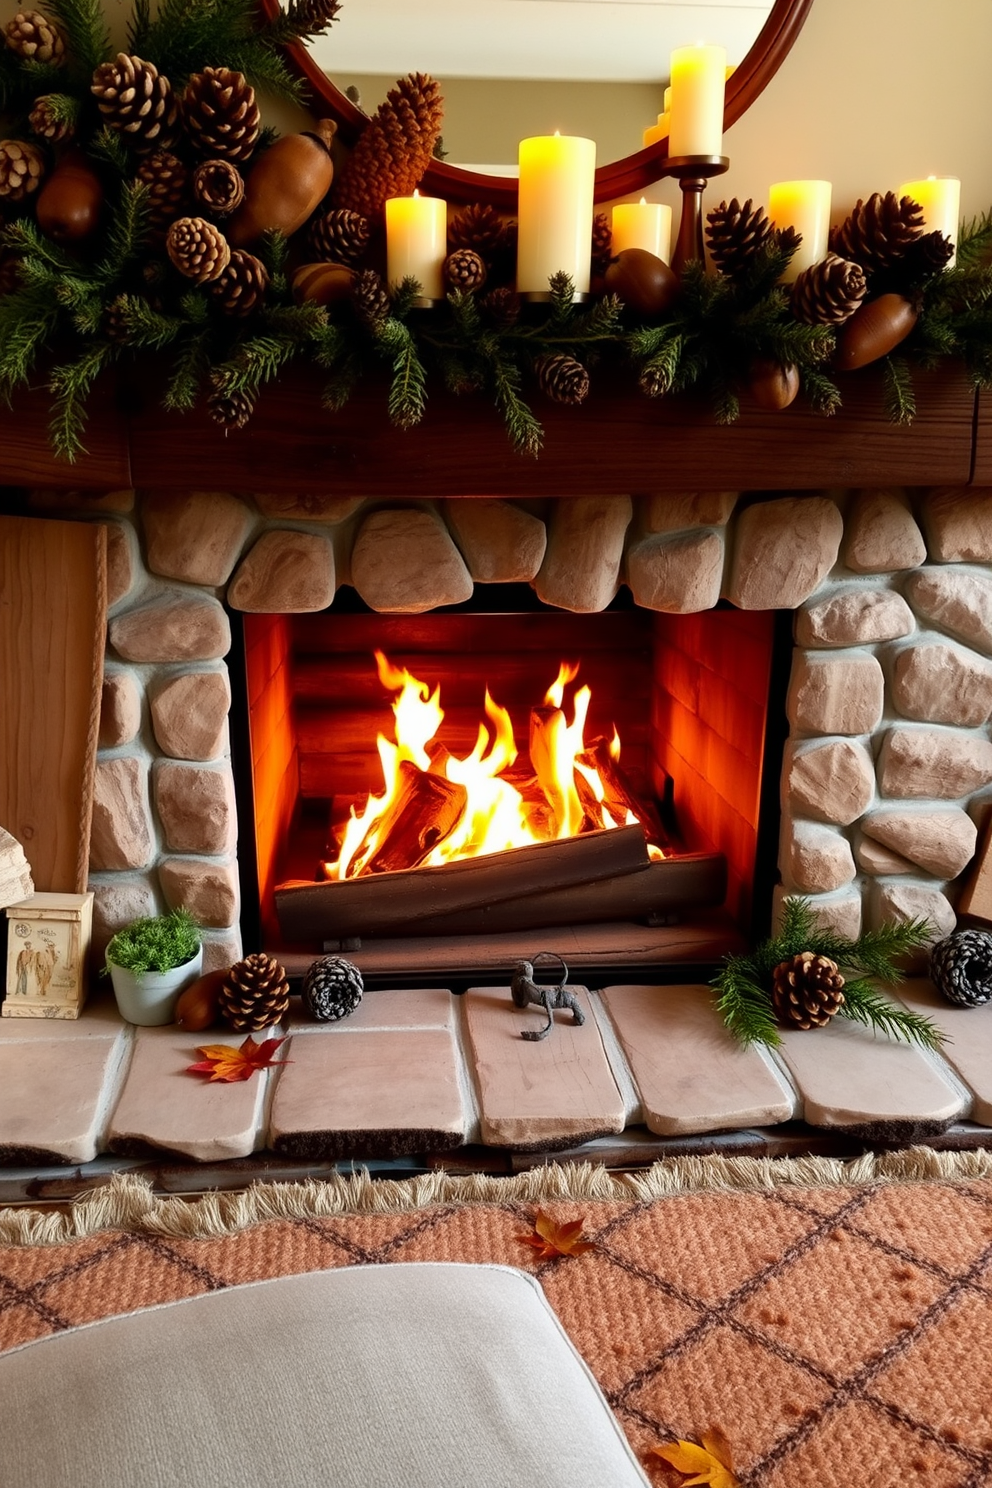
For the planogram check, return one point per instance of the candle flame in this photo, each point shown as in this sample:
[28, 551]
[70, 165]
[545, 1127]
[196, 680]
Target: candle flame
[643, 202]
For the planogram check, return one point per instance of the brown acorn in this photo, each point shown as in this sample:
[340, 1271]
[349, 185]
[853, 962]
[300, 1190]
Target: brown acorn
[198, 1006]
[771, 385]
[874, 329]
[322, 283]
[71, 201]
[643, 281]
[285, 186]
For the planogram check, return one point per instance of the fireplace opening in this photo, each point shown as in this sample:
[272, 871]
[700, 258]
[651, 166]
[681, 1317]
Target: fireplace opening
[667, 859]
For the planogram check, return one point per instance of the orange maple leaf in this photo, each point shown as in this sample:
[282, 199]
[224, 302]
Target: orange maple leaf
[549, 1238]
[224, 1062]
[710, 1463]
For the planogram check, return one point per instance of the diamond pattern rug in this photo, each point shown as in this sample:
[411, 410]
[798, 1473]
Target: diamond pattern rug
[839, 1334]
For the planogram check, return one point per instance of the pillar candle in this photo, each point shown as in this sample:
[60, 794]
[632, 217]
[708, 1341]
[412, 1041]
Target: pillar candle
[642, 224]
[699, 75]
[554, 211]
[659, 131]
[804, 205]
[940, 198]
[416, 242]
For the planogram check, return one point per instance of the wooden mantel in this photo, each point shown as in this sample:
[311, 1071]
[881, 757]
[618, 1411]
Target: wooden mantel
[619, 441]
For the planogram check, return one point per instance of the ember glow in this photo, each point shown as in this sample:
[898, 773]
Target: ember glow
[435, 807]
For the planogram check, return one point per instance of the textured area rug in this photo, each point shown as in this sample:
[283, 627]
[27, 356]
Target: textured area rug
[833, 1319]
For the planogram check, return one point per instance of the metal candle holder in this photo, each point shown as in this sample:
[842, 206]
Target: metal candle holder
[692, 173]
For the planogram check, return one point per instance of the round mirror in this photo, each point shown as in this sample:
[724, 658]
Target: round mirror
[532, 66]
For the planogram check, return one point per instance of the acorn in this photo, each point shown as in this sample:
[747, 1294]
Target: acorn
[286, 184]
[771, 385]
[198, 1005]
[643, 281]
[322, 283]
[873, 330]
[70, 203]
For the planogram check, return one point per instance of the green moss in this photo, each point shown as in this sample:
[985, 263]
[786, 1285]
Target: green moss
[155, 944]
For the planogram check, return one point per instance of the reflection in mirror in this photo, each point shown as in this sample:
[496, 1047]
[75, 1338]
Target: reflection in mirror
[512, 68]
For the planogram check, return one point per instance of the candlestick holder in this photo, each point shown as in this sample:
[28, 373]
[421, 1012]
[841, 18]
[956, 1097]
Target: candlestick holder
[692, 173]
[544, 297]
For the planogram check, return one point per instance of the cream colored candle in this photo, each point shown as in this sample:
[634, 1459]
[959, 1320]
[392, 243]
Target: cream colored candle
[659, 131]
[416, 242]
[554, 211]
[804, 205]
[940, 198]
[642, 224]
[699, 75]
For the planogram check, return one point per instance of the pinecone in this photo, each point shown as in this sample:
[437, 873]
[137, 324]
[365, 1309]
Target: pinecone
[332, 988]
[370, 298]
[735, 234]
[879, 231]
[828, 293]
[35, 38]
[602, 243]
[133, 97]
[218, 187]
[501, 307]
[230, 409]
[480, 227]
[242, 285]
[561, 378]
[926, 257]
[50, 121]
[197, 249]
[394, 149]
[167, 180]
[961, 967]
[255, 994]
[22, 167]
[464, 270]
[806, 990]
[221, 116]
[114, 322]
[339, 236]
[313, 16]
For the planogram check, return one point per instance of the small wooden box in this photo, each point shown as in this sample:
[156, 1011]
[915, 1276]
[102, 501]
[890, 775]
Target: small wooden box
[47, 944]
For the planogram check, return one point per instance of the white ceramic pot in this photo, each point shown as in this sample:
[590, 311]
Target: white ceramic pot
[149, 998]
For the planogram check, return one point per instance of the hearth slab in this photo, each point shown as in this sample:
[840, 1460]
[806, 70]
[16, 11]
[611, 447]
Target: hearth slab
[554, 1092]
[691, 1074]
[368, 1092]
[384, 1009]
[969, 1033]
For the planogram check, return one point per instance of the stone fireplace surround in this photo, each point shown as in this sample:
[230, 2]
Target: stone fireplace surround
[886, 776]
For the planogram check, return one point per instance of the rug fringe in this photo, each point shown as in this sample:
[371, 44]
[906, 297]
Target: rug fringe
[127, 1201]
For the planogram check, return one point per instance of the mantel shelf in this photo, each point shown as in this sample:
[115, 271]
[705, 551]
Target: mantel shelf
[619, 441]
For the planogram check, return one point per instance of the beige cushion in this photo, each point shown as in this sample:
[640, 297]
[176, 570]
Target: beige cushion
[399, 1376]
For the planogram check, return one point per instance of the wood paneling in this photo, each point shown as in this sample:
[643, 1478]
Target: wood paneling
[26, 458]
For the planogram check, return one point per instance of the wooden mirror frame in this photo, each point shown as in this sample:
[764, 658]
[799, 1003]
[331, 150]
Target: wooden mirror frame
[621, 177]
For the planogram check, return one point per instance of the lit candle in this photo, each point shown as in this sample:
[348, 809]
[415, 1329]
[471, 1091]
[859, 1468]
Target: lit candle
[554, 211]
[699, 75]
[642, 224]
[416, 242]
[940, 198]
[804, 205]
[659, 131]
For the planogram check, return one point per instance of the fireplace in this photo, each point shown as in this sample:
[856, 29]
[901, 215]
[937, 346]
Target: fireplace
[685, 698]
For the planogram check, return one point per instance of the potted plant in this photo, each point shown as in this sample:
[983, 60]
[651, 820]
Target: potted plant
[150, 962]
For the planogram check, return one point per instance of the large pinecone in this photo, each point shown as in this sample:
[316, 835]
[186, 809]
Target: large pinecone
[242, 285]
[221, 116]
[218, 187]
[198, 249]
[35, 38]
[806, 990]
[879, 231]
[332, 988]
[464, 270]
[561, 378]
[255, 993]
[961, 967]
[394, 149]
[828, 293]
[339, 236]
[53, 122]
[926, 257]
[22, 167]
[167, 180]
[480, 227]
[133, 97]
[602, 243]
[735, 234]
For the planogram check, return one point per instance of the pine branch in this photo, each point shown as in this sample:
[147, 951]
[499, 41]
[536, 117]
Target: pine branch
[28, 319]
[86, 33]
[864, 1005]
[974, 242]
[71, 385]
[301, 21]
[562, 304]
[744, 1005]
[526, 434]
[109, 147]
[189, 372]
[187, 35]
[822, 394]
[407, 391]
[897, 391]
[146, 328]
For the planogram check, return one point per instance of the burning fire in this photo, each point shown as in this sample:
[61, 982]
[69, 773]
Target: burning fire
[435, 807]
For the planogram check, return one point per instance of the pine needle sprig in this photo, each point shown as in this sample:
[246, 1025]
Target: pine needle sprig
[899, 398]
[864, 1004]
[822, 395]
[302, 20]
[974, 244]
[408, 387]
[85, 29]
[71, 385]
[28, 319]
[524, 430]
[185, 36]
[189, 371]
[147, 329]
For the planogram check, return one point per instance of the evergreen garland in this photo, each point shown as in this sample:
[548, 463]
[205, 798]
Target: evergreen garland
[743, 986]
[88, 307]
